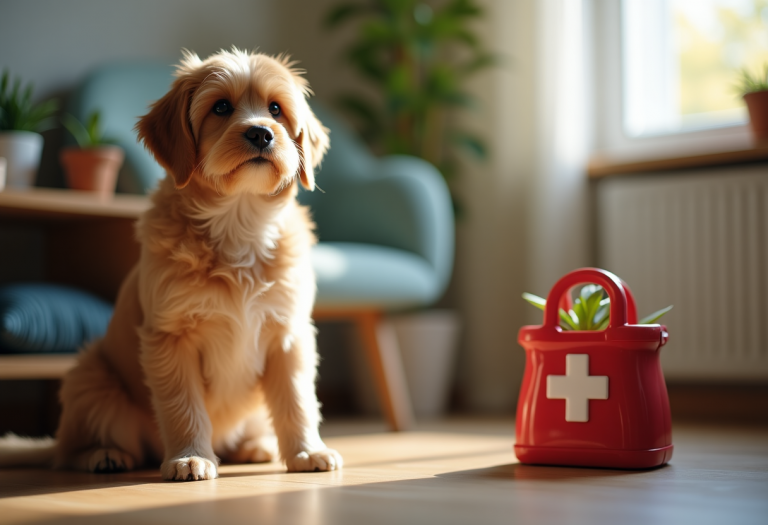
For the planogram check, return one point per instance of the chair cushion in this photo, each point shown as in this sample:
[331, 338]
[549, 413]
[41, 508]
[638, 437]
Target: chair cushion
[366, 275]
[49, 318]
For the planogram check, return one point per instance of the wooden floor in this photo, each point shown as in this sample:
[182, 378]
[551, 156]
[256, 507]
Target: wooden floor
[461, 472]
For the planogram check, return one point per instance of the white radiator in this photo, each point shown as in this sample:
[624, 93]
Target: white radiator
[698, 241]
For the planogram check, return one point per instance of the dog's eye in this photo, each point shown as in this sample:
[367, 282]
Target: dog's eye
[222, 108]
[274, 109]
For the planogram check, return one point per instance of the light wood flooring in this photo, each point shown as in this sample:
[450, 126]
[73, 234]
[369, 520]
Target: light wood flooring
[461, 471]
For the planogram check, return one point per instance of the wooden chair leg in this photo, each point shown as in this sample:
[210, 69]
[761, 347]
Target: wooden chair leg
[383, 352]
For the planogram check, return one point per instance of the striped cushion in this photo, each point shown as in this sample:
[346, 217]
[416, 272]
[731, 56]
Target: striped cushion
[49, 318]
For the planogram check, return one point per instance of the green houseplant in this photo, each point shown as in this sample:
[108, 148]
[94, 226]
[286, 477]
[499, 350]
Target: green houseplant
[754, 90]
[417, 55]
[94, 163]
[21, 122]
[591, 310]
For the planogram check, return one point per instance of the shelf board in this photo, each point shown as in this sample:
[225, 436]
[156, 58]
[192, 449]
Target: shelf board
[601, 167]
[40, 366]
[62, 203]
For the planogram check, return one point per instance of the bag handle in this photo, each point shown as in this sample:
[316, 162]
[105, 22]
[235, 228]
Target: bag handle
[631, 308]
[623, 307]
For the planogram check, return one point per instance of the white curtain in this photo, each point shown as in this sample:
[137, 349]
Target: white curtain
[526, 225]
[559, 233]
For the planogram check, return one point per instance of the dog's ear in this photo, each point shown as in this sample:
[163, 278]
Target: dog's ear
[166, 130]
[313, 142]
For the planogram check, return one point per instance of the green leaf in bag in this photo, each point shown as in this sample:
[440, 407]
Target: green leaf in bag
[567, 320]
[655, 316]
[591, 310]
[535, 300]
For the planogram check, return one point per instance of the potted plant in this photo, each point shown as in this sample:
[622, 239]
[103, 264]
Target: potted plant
[754, 89]
[590, 310]
[418, 58]
[21, 123]
[93, 164]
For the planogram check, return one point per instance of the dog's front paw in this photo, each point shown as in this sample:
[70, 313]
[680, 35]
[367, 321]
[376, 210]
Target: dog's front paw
[190, 468]
[321, 460]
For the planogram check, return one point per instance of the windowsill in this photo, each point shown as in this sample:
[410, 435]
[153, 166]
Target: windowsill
[600, 167]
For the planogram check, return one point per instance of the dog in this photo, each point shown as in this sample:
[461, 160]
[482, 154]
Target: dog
[211, 350]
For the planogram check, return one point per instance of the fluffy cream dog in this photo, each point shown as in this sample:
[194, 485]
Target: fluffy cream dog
[211, 351]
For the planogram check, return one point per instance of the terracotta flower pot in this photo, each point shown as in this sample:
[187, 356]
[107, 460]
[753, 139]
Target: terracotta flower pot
[92, 169]
[757, 104]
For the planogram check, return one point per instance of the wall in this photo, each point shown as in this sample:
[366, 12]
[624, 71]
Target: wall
[55, 43]
[492, 255]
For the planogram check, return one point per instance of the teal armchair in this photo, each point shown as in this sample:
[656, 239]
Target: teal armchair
[385, 225]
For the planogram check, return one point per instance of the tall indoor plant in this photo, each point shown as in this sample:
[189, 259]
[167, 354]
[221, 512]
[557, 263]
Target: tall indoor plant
[417, 55]
[21, 123]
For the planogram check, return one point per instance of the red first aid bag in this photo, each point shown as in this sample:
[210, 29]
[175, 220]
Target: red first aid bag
[593, 398]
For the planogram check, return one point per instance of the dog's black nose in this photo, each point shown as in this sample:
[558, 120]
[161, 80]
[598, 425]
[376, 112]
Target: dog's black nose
[260, 136]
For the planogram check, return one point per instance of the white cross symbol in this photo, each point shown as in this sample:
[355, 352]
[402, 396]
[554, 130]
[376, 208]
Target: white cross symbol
[577, 387]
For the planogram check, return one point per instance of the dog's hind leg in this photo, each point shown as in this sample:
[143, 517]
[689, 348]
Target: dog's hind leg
[101, 429]
[252, 442]
[103, 460]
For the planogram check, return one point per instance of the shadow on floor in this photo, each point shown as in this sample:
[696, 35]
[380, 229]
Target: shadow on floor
[501, 494]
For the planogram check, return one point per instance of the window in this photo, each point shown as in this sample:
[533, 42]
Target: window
[681, 61]
[666, 73]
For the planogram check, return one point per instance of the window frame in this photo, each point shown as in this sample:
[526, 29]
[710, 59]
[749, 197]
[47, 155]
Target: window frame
[610, 139]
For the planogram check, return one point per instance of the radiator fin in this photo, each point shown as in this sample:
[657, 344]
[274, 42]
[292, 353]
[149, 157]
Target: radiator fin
[698, 241]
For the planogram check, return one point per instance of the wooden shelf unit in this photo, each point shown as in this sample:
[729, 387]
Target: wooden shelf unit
[49, 203]
[89, 244]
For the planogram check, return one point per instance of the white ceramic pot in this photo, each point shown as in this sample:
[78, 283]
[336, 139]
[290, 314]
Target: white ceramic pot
[428, 345]
[2, 173]
[21, 150]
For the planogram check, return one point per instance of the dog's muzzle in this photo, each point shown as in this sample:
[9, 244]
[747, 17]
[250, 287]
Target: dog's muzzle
[260, 136]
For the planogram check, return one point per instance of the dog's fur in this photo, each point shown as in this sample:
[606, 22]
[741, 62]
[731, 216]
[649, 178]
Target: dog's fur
[211, 350]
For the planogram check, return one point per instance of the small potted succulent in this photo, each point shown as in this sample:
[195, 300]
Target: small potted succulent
[21, 123]
[754, 89]
[590, 311]
[93, 164]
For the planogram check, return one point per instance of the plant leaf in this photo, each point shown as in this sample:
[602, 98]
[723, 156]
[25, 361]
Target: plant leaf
[655, 316]
[535, 300]
[93, 126]
[4, 84]
[749, 83]
[567, 318]
[464, 8]
[603, 313]
[471, 143]
[76, 128]
[579, 310]
[18, 112]
[480, 61]
[592, 304]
